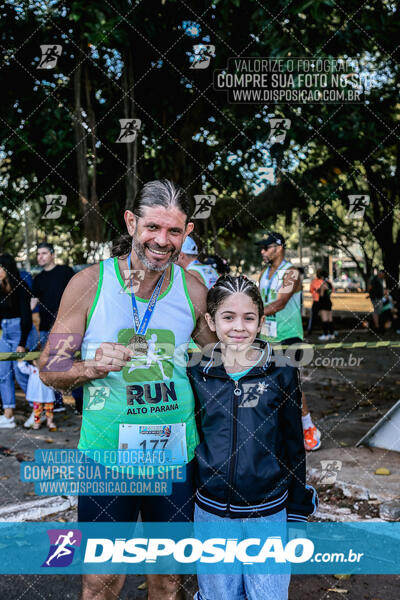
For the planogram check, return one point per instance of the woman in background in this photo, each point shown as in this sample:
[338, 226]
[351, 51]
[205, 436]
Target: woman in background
[325, 308]
[16, 324]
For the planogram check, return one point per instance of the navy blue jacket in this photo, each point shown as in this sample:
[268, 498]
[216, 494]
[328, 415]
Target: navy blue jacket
[251, 458]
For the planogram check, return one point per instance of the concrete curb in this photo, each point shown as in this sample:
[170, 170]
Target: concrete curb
[350, 490]
[327, 513]
[35, 510]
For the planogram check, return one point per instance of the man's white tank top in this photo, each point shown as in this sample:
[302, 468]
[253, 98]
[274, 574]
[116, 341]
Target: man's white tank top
[151, 389]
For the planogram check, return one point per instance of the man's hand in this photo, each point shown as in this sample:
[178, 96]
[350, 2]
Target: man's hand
[109, 357]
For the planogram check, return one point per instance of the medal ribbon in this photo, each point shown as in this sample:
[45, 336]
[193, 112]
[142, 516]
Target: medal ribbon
[141, 327]
[268, 286]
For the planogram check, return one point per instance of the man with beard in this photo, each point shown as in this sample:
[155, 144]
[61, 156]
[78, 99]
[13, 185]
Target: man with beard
[144, 309]
[280, 288]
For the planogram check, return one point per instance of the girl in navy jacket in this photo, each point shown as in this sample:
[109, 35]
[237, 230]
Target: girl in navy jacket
[251, 458]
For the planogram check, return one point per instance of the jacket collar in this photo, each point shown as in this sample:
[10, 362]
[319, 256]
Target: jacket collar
[213, 365]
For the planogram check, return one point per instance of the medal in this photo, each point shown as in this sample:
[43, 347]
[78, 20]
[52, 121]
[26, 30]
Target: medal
[138, 343]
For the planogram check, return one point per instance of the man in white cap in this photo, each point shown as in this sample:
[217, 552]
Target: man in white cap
[188, 261]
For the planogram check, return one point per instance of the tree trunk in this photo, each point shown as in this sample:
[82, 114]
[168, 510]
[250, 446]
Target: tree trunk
[367, 274]
[391, 262]
[131, 149]
[382, 228]
[96, 222]
[81, 150]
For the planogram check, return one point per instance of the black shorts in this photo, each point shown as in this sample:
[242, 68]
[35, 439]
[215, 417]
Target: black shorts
[290, 341]
[325, 304]
[177, 507]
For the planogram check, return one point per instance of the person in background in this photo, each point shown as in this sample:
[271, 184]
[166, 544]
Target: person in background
[301, 271]
[39, 395]
[396, 315]
[220, 264]
[48, 288]
[386, 316]
[188, 260]
[33, 337]
[314, 287]
[16, 324]
[325, 308]
[26, 276]
[376, 289]
[280, 289]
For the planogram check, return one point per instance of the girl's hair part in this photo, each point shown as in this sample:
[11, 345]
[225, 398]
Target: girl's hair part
[227, 285]
[161, 192]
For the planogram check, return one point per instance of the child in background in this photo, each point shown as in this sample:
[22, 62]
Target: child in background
[40, 394]
[251, 458]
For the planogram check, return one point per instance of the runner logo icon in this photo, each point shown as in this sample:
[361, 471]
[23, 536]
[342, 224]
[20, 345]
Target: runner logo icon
[62, 547]
[251, 394]
[50, 55]
[329, 471]
[54, 206]
[157, 364]
[204, 204]
[97, 397]
[129, 130]
[279, 129]
[201, 56]
[357, 206]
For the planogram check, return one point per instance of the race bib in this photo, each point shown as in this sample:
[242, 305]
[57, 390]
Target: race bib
[270, 329]
[167, 441]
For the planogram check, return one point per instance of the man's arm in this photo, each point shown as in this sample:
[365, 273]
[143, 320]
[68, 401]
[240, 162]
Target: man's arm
[70, 326]
[202, 334]
[35, 293]
[290, 285]
[198, 276]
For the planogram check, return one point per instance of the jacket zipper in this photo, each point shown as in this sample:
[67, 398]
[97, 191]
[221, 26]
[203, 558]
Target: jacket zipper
[233, 446]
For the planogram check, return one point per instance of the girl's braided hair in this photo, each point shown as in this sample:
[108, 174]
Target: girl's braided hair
[227, 285]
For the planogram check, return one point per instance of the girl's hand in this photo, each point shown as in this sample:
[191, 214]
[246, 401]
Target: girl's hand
[20, 349]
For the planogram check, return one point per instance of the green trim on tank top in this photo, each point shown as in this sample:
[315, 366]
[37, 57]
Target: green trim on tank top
[97, 296]
[188, 298]
[199, 272]
[116, 267]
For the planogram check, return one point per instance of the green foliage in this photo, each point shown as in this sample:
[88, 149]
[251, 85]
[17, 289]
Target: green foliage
[189, 132]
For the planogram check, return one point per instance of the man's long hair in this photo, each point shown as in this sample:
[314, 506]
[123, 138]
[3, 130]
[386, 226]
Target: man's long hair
[161, 192]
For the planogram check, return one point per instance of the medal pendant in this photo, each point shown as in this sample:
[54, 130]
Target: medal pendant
[138, 344]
